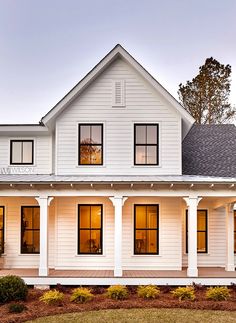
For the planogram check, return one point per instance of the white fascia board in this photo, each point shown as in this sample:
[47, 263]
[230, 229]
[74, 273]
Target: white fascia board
[101, 66]
[23, 129]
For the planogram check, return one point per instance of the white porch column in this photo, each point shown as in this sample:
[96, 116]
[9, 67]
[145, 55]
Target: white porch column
[44, 202]
[229, 208]
[118, 203]
[192, 203]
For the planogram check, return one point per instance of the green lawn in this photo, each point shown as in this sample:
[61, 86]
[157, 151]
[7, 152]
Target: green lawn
[142, 316]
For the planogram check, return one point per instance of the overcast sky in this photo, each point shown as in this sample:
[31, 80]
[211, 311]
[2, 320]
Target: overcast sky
[47, 46]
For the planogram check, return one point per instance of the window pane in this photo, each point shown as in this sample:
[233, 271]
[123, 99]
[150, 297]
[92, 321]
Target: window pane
[96, 155]
[27, 218]
[140, 241]
[96, 134]
[140, 217]
[1, 218]
[36, 218]
[16, 152]
[234, 221]
[152, 216]
[140, 134]
[151, 155]
[27, 152]
[146, 241]
[30, 241]
[84, 216]
[90, 241]
[201, 220]
[234, 241]
[151, 134]
[201, 242]
[1, 241]
[140, 155]
[84, 155]
[85, 134]
[151, 241]
[96, 215]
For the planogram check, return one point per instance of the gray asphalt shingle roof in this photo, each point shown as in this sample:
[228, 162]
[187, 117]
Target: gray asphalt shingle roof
[210, 150]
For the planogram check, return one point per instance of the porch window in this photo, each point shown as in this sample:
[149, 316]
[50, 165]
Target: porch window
[90, 144]
[90, 229]
[146, 144]
[30, 228]
[146, 229]
[2, 223]
[21, 152]
[201, 231]
[234, 231]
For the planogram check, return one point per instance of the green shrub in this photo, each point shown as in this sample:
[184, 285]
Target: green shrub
[149, 291]
[16, 308]
[218, 293]
[52, 297]
[12, 288]
[117, 292]
[184, 293]
[81, 295]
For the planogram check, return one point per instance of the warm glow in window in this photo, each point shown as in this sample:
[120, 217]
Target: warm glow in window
[90, 229]
[90, 144]
[30, 228]
[201, 231]
[146, 229]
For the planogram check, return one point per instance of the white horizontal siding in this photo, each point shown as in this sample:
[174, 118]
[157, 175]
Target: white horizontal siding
[216, 238]
[42, 154]
[142, 105]
[170, 243]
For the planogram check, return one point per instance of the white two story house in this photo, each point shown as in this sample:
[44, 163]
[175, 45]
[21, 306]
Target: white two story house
[117, 185]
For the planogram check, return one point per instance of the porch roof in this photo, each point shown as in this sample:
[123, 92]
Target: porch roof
[60, 179]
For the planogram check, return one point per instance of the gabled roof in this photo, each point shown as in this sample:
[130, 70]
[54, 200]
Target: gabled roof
[210, 150]
[117, 51]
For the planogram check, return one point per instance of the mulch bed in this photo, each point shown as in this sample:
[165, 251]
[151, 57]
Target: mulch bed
[35, 308]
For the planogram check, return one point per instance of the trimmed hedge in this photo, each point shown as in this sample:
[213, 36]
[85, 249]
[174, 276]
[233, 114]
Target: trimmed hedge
[12, 288]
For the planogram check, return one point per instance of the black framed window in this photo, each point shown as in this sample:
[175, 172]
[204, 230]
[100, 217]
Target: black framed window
[90, 229]
[2, 224]
[90, 144]
[146, 144]
[146, 229]
[21, 152]
[234, 231]
[30, 229]
[202, 246]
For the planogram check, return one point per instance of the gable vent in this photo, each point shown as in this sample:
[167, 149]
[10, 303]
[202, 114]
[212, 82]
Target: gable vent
[118, 95]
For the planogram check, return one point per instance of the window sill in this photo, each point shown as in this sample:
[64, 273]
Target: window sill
[142, 255]
[29, 254]
[90, 255]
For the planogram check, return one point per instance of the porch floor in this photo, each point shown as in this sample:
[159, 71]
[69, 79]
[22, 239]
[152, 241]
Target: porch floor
[203, 272]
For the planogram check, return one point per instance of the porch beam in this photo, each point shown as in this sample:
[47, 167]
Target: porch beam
[192, 203]
[118, 202]
[229, 212]
[43, 202]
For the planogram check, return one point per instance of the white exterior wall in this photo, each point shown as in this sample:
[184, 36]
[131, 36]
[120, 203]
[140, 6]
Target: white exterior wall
[42, 155]
[216, 255]
[143, 104]
[13, 256]
[170, 244]
[67, 235]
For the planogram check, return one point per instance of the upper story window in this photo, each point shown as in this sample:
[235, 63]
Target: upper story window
[146, 144]
[90, 144]
[21, 152]
[201, 231]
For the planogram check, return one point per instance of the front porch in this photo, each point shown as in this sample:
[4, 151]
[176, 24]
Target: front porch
[207, 276]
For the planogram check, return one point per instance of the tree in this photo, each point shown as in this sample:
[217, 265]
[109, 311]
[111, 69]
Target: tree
[206, 97]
